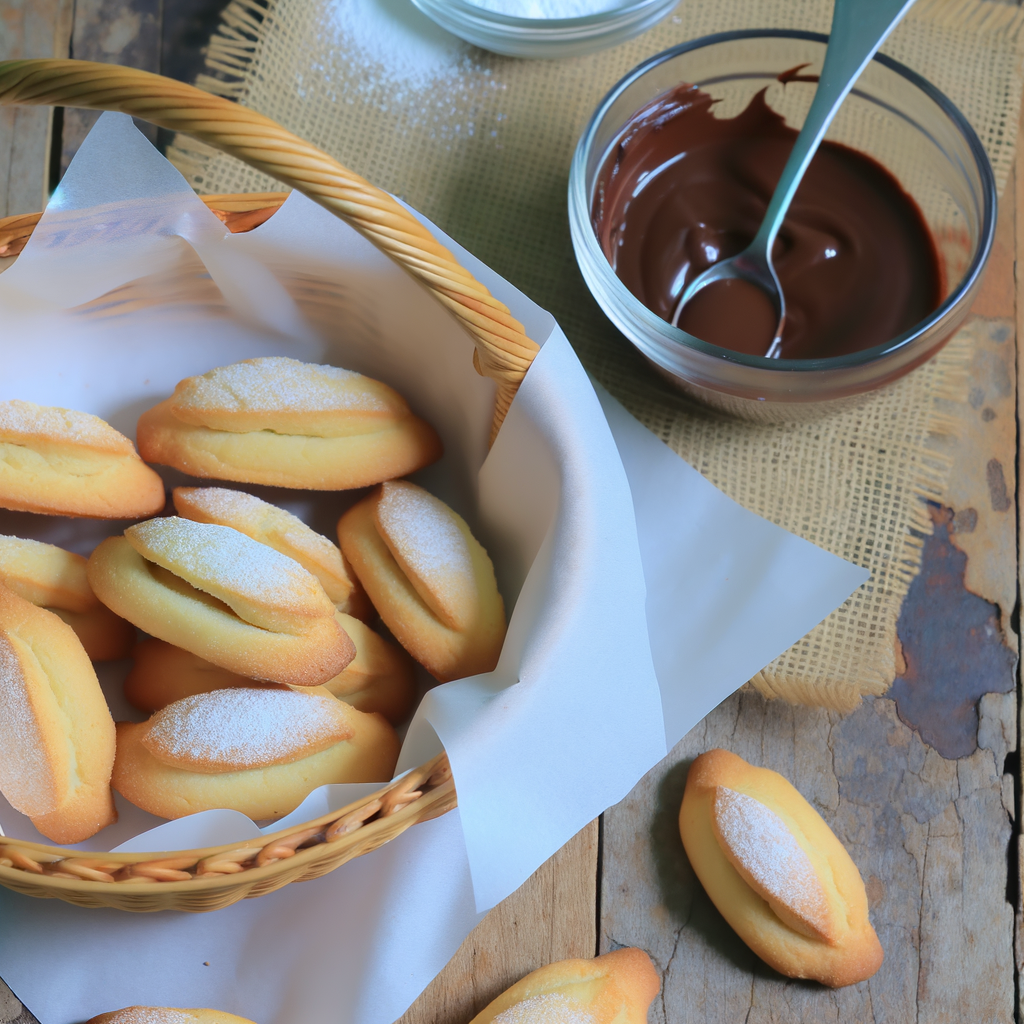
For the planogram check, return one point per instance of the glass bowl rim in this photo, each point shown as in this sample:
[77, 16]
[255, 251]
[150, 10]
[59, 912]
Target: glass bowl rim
[467, 9]
[851, 360]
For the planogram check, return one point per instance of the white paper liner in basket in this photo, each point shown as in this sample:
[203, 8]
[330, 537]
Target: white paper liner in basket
[623, 566]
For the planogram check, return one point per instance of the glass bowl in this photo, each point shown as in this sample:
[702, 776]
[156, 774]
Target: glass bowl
[545, 37]
[894, 116]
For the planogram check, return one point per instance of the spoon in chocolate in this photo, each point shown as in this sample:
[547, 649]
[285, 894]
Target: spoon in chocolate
[859, 27]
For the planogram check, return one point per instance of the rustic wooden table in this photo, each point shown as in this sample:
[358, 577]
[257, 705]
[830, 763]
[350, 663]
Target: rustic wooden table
[923, 785]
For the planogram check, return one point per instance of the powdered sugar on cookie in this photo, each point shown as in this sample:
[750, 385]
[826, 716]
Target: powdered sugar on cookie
[277, 383]
[547, 1008]
[231, 566]
[267, 524]
[773, 863]
[150, 1015]
[244, 728]
[424, 536]
[26, 773]
[20, 421]
[221, 503]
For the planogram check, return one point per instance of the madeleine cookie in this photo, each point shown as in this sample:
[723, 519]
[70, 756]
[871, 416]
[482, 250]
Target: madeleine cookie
[290, 424]
[162, 673]
[428, 577]
[166, 1015]
[56, 734]
[776, 872]
[258, 751]
[65, 463]
[283, 532]
[221, 595]
[616, 988]
[55, 579]
[378, 679]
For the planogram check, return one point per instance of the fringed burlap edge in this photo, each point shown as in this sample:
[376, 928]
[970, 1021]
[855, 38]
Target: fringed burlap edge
[935, 460]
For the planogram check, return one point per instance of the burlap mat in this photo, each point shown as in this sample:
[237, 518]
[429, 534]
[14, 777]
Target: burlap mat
[482, 144]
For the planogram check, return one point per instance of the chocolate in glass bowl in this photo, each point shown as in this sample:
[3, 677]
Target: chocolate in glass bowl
[684, 189]
[894, 117]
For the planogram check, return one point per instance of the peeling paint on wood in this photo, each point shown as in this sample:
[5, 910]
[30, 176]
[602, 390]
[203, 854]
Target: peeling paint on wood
[964, 521]
[983, 480]
[997, 486]
[953, 648]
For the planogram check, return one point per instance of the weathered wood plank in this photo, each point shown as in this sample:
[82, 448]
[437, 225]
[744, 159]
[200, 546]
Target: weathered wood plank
[551, 917]
[28, 28]
[982, 483]
[11, 1009]
[954, 647]
[126, 32]
[1018, 185]
[928, 834]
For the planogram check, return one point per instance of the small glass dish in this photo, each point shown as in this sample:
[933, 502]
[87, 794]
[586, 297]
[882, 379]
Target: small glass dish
[545, 37]
[893, 115]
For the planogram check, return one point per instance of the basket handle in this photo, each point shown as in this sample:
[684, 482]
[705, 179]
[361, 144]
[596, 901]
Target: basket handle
[503, 351]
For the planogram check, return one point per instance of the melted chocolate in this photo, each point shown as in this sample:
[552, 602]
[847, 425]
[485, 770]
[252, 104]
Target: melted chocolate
[684, 189]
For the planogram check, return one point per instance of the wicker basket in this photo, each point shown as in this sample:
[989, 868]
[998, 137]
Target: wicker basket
[208, 879]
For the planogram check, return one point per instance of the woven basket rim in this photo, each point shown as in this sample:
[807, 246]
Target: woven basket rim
[407, 815]
[130, 857]
[20, 227]
[503, 352]
[16, 229]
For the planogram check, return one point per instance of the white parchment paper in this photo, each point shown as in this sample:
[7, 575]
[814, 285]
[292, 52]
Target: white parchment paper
[639, 596]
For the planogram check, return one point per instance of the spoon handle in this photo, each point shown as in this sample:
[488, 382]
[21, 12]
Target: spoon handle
[859, 27]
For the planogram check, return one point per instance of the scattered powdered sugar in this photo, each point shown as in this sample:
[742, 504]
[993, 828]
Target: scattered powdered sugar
[762, 843]
[276, 383]
[422, 529]
[311, 544]
[222, 502]
[237, 729]
[26, 778]
[246, 512]
[393, 35]
[426, 87]
[548, 8]
[23, 420]
[228, 564]
[151, 1015]
[548, 1008]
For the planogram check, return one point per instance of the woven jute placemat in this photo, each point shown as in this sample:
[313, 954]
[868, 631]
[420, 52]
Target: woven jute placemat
[482, 144]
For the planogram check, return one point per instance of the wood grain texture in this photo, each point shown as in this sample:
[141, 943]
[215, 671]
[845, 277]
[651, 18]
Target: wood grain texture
[928, 834]
[982, 484]
[28, 28]
[125, 32]
[1018, 855]
[11, 1009]
[551, 917]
